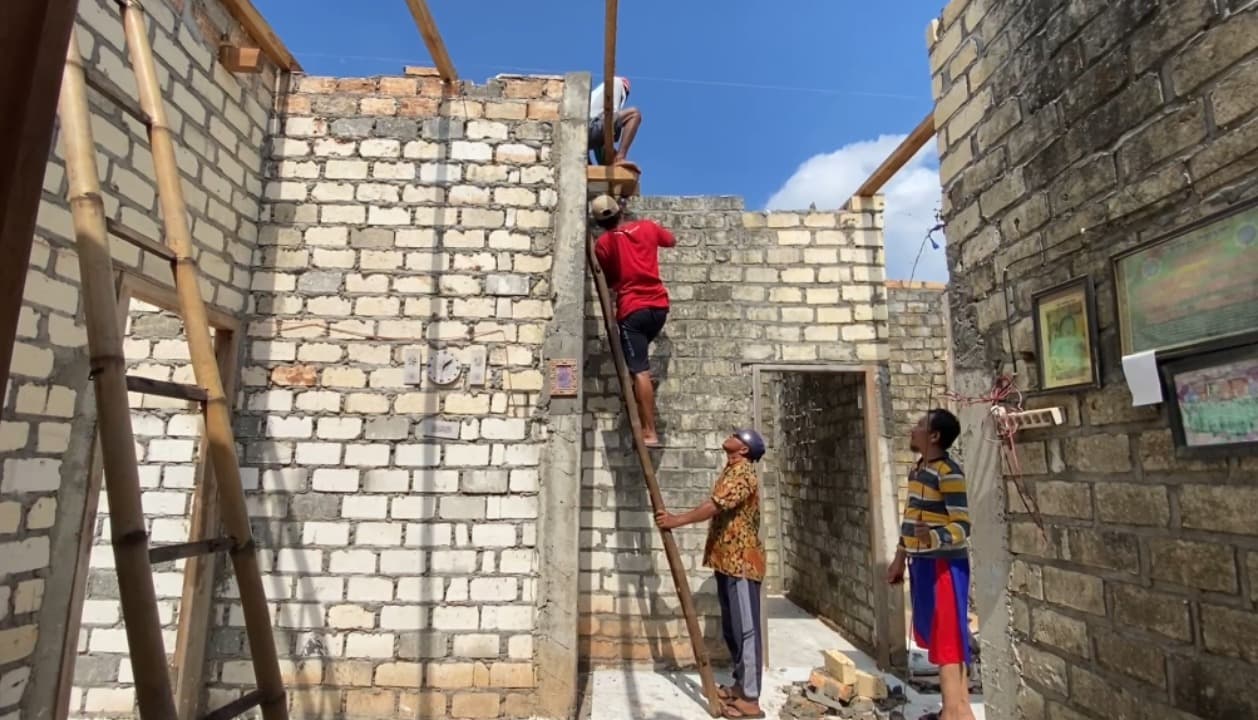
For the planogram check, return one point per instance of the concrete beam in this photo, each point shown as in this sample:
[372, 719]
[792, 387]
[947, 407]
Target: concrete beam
[559, 521]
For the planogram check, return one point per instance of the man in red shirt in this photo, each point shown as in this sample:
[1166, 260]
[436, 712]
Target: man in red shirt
[628, 254]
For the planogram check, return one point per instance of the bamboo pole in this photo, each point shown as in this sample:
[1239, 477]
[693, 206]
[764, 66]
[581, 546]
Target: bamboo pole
[653, 488]
[117, 443]
[218, 430]
[609, 85]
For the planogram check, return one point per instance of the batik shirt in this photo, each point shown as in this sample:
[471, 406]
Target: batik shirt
[734, 546]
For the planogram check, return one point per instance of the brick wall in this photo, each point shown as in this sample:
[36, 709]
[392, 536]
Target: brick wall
[47, 425]
[785, 288]
[398, 519]
[919, 362]
[1117, 121]
[825, 500]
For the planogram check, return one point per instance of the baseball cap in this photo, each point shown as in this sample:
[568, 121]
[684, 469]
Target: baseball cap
[753, 441]
[605, 207]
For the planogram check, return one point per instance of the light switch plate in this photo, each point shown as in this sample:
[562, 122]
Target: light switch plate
[477, 360]
[412, 367]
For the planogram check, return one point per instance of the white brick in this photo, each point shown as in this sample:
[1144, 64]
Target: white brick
[518, 562]
[417, 455]
[341, 481]
[35, 475]
[370, 507]
[325, 533]
[289, 427]
[493, 535]
[367, 455]
[299, 561]
[475, 151]
[380, 148]
[393, 171]
[377, 193]
[339, 428]
[345, 169]
[465, 455]
[455, 618]
[332, 192]
[388, 216]
[507, 617]
[380, 535]
[387, 481]
[362, 645]
[442, 481]
[414, 507]
[511, 507]
[493, 589]
[287, 480]
[351, 617]
[329, 147]
[353, 561]
[421, 589]
[318, 453]
[480, 129]
[520, 647]
[503, 429]
[165, 503]
[369, 589]
[349, 214]
[299, 615]
[524, 480]
[453, 562]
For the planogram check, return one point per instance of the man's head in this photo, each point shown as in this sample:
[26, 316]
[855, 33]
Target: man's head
[936, 430]
[606, 211]
[744, 442]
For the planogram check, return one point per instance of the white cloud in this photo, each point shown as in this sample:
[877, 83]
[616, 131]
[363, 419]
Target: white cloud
[913, 196]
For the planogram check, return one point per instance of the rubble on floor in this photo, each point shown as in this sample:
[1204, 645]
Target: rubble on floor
[839, 690]
[924, 675]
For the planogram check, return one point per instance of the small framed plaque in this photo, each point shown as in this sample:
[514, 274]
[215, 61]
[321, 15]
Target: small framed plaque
[565, 380]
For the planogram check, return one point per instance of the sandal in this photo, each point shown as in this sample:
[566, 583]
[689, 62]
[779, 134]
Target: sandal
[725, 692]
[731, 711]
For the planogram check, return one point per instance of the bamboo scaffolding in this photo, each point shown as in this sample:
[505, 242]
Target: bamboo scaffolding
[218, 431]
[653, 488]
[117, 444]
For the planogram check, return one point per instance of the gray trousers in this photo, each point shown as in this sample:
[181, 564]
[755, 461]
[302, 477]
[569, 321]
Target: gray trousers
[740, 624]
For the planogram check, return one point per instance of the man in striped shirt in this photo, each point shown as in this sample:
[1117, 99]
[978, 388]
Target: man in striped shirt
[934, 535]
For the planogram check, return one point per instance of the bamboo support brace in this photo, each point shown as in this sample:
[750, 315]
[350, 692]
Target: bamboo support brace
[218, 431]
[117, 443]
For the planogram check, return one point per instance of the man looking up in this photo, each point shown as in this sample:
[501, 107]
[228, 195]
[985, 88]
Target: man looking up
[628, 252]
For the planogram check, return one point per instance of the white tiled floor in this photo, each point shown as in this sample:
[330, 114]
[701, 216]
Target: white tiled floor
[796, 640]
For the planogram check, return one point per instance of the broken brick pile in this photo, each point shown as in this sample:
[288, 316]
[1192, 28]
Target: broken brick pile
[840, 690]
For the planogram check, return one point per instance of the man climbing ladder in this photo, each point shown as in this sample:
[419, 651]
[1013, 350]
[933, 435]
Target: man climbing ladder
[628, 252]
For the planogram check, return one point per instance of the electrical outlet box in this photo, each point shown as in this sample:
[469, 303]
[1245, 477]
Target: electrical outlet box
[412, 366]
[1034, 419]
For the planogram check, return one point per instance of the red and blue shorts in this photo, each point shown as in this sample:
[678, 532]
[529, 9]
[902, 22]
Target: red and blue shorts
[940, 592]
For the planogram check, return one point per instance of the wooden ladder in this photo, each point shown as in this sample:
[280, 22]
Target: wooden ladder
[134, 558]
[653, 488]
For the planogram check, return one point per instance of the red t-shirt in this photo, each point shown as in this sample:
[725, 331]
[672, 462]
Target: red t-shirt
[628, 255]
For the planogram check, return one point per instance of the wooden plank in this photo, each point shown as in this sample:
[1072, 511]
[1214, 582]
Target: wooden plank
[436, 46]
[163, 296]
[101, 83]
[166, 553]
[616, 180]
[198, 578]
[899, 157]
[675, 566]
[143, 242]
[161, 388]
[609, 80]
[890, 647]
[33, 39]
[87, 535]
[240, 59]
[260, 30]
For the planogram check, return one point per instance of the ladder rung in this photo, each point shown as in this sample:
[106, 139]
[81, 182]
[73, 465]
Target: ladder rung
[101, 83]
[166, 553]
[166, 389]
[241, 705]
[143, 242]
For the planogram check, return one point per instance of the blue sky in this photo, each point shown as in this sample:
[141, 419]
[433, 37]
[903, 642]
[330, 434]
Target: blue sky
[785, 103]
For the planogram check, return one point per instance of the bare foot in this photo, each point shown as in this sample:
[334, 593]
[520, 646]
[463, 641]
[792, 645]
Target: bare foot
[743, 708]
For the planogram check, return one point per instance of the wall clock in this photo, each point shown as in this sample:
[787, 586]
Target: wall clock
[444, 368]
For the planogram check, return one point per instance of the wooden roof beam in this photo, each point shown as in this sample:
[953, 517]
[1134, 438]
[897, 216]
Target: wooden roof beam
[436, 46]
[261, 31]
[609, 81]
[899, 157]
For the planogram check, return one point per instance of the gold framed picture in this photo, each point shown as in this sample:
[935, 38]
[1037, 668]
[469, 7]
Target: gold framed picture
[1065, 336]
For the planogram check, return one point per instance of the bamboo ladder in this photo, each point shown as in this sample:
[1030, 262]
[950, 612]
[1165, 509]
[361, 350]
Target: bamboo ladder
[134, 558]
[653, 487]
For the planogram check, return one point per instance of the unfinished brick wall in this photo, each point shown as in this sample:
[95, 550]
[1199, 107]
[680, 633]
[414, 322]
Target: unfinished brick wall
[1070, 132]
[826, 528]
[919, 362]
[398, 518]
[48, 422]
[746, 288]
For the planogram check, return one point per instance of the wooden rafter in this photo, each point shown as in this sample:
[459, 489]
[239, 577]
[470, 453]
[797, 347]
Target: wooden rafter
[33, 39]
[899, 157]
[436, 46]
[609, 81]
[260, 30]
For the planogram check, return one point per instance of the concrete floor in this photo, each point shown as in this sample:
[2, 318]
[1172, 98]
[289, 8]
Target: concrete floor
[796, 640]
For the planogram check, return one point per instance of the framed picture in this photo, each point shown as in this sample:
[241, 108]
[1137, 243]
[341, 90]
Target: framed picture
[1213, 402]
[1065, 336]
[1191, 287]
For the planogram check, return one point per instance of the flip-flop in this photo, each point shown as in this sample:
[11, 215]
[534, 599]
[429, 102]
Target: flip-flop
[725, 692]
[738, 714]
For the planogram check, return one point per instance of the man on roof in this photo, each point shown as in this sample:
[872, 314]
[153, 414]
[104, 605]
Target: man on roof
[627, 121]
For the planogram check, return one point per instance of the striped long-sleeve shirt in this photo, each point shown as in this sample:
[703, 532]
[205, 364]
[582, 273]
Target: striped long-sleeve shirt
[937, 497]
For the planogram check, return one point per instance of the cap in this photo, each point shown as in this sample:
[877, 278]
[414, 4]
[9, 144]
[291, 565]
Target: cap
[605, 207]
[753, 441]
